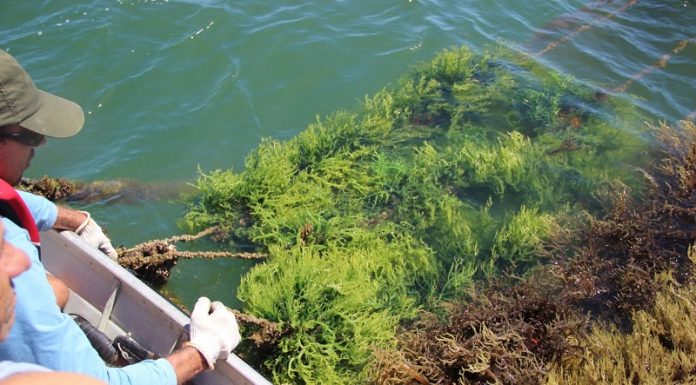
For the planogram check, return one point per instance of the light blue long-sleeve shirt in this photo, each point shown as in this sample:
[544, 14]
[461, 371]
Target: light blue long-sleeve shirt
[10, 368]
[44, 335]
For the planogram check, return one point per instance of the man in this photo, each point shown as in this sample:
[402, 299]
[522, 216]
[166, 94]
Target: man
[42, 333]
[14, 262]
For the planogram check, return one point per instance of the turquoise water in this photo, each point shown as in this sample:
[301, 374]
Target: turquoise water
[173, 87]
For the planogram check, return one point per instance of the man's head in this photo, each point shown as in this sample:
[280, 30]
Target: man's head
[13, 262]
[27, 114]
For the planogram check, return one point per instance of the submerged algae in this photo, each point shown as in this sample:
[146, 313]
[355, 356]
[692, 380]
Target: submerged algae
[660, 348]
[73, 191]
[614, 309]
[466, 168]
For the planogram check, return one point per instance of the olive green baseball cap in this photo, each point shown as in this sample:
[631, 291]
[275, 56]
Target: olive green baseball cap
[21, 102]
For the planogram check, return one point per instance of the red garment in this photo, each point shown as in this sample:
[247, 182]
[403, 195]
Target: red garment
[12, 206]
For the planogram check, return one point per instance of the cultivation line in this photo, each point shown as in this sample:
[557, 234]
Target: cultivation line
[583, 28]
[662, 63]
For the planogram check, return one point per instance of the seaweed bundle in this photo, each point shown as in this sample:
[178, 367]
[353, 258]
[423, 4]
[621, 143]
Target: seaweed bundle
[660, 348]
[615, 309]
[472, 165]
[73, 191]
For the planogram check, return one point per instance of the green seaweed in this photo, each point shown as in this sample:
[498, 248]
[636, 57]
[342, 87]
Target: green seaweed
[339, 305]
[614, 307]
[464, 169]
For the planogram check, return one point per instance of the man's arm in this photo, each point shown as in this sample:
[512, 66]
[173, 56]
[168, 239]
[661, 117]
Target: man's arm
[187, 362]
[86, 228]
[214, 333]
[69, 219]
[48, 215]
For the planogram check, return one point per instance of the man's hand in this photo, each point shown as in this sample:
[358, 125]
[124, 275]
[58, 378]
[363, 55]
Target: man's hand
[92, 234]
[214, 334]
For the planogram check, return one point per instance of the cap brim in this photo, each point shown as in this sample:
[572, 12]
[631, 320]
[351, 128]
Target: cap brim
[57, 117]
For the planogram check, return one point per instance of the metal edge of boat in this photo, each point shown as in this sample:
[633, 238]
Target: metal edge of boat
[118, 303]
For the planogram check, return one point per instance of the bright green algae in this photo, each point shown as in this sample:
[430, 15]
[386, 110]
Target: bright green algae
[465, 168]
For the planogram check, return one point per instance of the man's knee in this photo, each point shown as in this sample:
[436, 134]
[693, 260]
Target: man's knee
[60, 290]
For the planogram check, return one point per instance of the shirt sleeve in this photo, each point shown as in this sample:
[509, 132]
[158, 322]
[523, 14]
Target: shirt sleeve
[44, 211]
[44, 335]
[146, 372]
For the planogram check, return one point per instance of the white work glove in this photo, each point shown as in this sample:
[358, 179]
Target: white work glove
[214, 334]
[92, 234]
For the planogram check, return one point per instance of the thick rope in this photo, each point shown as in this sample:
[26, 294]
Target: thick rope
[152, 261]
[159, 251]
[267, 333]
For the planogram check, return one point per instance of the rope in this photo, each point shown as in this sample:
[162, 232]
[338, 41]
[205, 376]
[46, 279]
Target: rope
[174, 239]
[267, 333]
[161, 252]
[662, 63]
[219, 254]
[584, 28]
